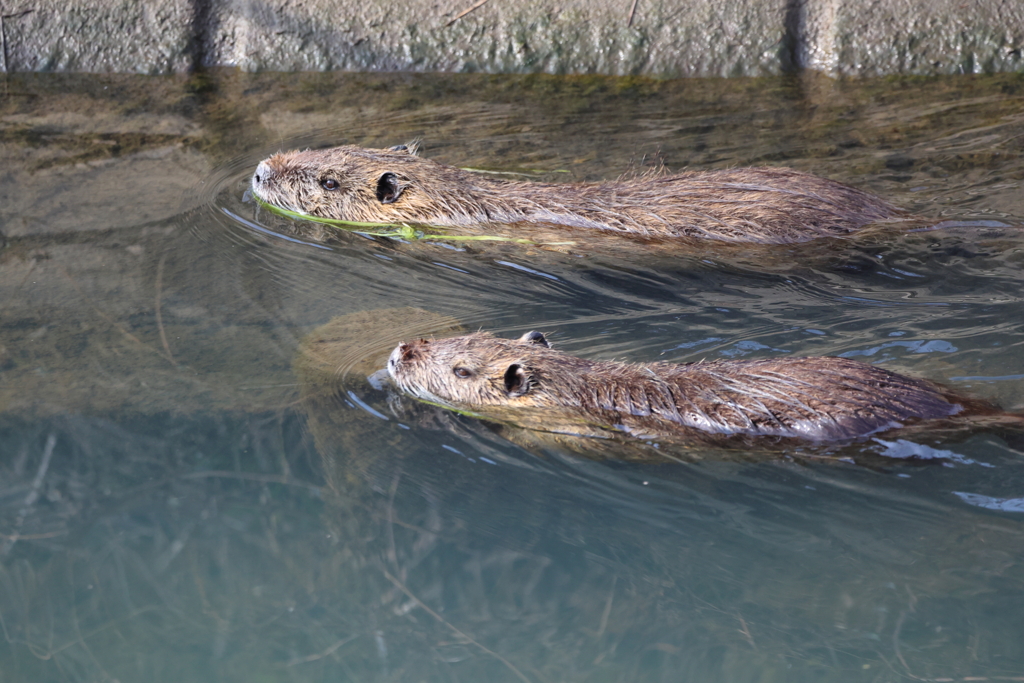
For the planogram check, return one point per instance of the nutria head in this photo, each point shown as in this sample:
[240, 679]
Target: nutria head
[475, 370]
[362, 185]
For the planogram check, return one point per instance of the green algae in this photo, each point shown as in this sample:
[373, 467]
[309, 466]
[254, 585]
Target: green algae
[403, 231]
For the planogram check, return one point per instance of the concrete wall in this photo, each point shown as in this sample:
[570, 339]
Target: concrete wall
[669, 38]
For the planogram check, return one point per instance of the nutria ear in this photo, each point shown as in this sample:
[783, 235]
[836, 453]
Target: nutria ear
[412, 148]
[535, 337]
[388, 188]
[517, 381]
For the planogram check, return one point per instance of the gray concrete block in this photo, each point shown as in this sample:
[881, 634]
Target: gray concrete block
[666, 38]
[881, 37]
[701, 38]
[122, 36]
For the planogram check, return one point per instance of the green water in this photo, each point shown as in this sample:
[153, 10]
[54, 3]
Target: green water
[183, 497]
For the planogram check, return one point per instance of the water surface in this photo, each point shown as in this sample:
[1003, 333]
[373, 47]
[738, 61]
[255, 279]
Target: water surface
[198, 485]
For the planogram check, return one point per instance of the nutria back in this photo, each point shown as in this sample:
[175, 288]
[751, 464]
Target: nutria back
[761, 205]
[817, 398]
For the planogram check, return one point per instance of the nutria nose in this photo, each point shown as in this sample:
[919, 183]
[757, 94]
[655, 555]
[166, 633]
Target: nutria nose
[262, 174]
[398, 354]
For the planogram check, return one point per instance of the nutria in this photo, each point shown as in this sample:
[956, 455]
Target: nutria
[761, 205]
[817, 398]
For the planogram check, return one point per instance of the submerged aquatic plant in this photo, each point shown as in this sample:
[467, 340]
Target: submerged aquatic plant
[403, 231]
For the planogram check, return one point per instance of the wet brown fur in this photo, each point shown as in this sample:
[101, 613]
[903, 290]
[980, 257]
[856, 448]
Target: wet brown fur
[762, 205]
[818, 398]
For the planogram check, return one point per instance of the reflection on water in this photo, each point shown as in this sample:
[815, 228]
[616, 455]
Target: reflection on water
[199, 482]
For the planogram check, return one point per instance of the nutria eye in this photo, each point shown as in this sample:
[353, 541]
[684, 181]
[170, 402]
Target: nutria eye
[329, 184]
[463, 373]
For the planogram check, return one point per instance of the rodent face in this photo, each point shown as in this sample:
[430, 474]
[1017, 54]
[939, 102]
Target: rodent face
[343, 183]
[474, 371]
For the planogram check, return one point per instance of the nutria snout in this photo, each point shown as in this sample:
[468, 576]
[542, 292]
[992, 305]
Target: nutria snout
[815, 398]
[761, 205]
